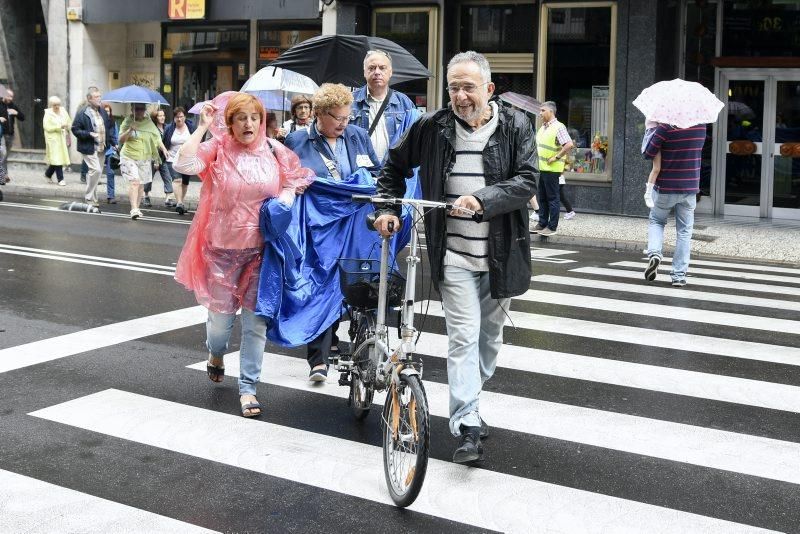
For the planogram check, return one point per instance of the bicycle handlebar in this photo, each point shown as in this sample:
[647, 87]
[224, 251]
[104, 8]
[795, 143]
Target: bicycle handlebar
[367, 199]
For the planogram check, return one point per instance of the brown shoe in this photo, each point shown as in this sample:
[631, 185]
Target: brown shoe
[546, 232]
[537, 229]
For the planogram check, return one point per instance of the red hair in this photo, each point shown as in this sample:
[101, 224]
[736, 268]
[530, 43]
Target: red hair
[238, 102]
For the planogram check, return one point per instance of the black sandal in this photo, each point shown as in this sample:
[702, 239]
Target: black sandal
[216, 373]
[250, 406]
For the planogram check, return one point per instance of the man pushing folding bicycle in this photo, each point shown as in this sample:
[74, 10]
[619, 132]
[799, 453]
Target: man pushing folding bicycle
[478, 154]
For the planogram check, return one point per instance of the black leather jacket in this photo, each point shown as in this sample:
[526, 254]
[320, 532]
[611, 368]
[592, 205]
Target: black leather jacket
[509, 166]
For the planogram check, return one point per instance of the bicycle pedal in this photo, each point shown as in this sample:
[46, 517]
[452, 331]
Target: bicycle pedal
[344, 379]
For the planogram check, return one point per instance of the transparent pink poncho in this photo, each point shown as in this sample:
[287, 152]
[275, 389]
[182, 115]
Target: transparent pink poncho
[221, 259]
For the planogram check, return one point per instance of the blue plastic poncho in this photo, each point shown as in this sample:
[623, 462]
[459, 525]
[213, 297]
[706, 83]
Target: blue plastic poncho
[299, 291]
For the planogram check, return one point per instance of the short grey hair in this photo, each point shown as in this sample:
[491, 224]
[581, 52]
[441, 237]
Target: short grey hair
[550, 105]
[379, 52]
[53, 101]
[474, 57]
[90, 91]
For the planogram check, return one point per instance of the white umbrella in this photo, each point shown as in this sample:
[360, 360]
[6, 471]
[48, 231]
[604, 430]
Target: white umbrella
[679, 103]
[278, 79]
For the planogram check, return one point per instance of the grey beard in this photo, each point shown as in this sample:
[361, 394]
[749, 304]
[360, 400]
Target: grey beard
[478, 113]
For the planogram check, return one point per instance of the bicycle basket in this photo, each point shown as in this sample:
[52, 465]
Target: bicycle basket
[359, 280]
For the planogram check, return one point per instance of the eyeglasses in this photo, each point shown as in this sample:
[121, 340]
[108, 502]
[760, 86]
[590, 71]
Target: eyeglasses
[469, 88]
[341, 120]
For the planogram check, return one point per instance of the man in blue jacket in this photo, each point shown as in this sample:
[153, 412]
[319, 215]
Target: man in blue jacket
[377, 108]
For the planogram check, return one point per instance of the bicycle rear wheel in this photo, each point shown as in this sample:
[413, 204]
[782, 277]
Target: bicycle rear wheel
[406, 439]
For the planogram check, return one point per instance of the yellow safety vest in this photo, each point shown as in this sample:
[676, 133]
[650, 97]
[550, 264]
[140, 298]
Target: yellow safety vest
[547, 147]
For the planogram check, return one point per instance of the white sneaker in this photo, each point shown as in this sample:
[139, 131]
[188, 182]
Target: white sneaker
[569, 215]
[62, 183]
[135, 214]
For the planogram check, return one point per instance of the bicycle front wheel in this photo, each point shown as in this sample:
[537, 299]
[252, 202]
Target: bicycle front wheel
[406, 439]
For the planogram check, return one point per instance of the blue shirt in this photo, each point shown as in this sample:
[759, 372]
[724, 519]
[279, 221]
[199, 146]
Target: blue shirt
[394, 114]
[353, 151]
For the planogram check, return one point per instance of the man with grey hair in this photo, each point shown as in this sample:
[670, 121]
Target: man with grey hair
[477, 153]
[552, 143]
[92, 128]
[377, 108]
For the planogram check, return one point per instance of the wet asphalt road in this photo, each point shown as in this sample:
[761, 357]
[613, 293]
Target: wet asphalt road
[68, 273]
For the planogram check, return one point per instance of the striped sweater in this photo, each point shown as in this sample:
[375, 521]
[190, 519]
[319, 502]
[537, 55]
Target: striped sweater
[468, 241]
[681, 151]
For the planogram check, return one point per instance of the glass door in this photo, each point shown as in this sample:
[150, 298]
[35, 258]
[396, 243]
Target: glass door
[758, 144]
[786, 154]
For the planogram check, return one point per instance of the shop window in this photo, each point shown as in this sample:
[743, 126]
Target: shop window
[498, 28]
[274, 39]
[576, 70]
[765, 28]
[415, 30]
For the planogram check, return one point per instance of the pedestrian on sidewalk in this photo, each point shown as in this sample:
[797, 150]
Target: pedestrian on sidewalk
[175, 135]
[56, 124]
[141, 142]
[91, 128]
[111, 150]
[9, 115]
[569, 212]
[676, 186]
[221, 259]
[477, 262]
[552, 144]
[159, 118]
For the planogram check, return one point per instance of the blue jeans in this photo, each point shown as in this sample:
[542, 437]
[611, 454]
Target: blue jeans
[251, 348]
[549, 199]
[109, 178]
[684, 204]
[475, 333]
[166, 178]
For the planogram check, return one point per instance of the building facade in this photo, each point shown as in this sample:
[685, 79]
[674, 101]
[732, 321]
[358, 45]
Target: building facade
[591, 57]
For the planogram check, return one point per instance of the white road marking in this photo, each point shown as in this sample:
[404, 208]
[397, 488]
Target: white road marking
[747, 266]
[715, 272]
[694, 281]
[96, 338]
[84, 256]
[620, 373]
[739, 320]
[87, 262]
[645, 336]
[504, 503]
[101, 214]
[677, 442]
[36, 507]
[649, 289]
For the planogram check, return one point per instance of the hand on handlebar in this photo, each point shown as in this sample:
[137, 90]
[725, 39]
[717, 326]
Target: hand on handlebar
[387, 225]
[469, 202]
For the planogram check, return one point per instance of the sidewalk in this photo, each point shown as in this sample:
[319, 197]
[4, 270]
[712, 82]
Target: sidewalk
[34, 184]
[739, 238]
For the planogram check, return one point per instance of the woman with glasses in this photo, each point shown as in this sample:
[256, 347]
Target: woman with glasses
[336, 151]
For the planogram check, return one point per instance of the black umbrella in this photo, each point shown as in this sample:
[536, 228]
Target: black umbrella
[340, 59]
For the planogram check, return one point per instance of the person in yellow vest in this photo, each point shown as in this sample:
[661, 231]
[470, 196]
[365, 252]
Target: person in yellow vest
[552, 144]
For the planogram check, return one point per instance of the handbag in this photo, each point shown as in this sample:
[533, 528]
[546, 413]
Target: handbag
[113, 159]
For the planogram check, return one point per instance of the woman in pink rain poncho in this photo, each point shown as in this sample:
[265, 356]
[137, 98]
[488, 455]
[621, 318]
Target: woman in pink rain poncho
[221, 260]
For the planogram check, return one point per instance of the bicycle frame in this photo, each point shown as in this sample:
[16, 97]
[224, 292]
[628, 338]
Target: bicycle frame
[384, 358]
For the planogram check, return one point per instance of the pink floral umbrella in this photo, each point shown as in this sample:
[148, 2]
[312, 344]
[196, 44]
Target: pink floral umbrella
[678, 102]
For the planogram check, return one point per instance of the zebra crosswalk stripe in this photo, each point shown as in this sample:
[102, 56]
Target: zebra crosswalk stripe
[717, 449]
[505, 503]
[695, 281]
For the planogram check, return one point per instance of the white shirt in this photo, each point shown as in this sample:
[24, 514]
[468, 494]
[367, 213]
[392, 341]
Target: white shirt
[179, 137]
[380, 136]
